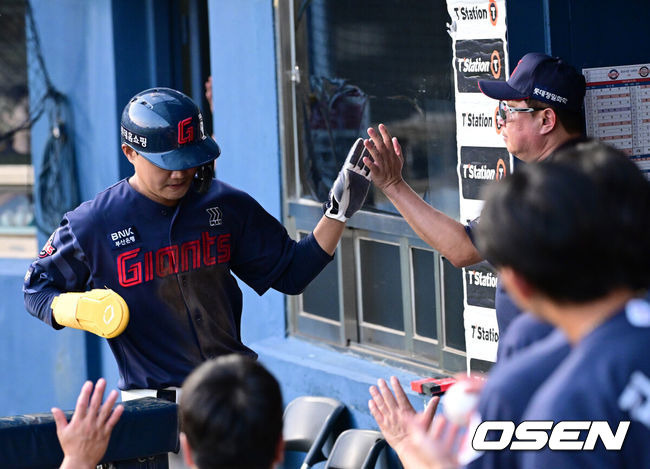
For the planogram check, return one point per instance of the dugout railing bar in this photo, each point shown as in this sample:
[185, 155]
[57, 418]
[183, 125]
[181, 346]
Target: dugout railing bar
[147, 431]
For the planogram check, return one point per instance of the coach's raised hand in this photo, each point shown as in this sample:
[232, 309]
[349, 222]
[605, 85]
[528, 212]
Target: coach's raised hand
[350, 188]
[387, 159]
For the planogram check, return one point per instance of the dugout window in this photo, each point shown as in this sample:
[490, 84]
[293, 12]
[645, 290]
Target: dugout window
[343, 66]
[17, 231]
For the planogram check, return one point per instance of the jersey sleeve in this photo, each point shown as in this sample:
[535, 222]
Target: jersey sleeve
[264, 254]
[469, 229]
[307, 262]
[59, 268]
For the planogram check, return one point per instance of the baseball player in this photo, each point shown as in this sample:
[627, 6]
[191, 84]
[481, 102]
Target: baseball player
[507, 393]
[587, 230]
[539, 111]
[149, 262]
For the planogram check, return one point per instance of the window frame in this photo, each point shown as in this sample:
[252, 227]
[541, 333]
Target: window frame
[300, 215]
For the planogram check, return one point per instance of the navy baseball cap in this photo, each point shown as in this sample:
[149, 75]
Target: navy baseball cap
[543, 78]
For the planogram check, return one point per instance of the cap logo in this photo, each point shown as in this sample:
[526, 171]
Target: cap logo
[547, 95]
[185, 131]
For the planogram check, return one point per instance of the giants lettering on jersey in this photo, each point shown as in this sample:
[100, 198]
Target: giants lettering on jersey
[134, 268]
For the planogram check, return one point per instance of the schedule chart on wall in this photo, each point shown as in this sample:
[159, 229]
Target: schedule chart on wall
[617, 109]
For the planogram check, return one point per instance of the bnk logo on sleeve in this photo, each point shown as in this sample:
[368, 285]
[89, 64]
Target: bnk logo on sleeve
[534, 435]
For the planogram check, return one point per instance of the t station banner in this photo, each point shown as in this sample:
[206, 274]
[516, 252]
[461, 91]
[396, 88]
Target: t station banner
[478, 31]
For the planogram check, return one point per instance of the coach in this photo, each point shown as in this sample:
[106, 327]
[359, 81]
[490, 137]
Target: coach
[540, 110]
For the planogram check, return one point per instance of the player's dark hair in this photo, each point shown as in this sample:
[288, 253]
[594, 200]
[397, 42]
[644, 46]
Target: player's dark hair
[231, 412]
[575, 227]
[572, 121]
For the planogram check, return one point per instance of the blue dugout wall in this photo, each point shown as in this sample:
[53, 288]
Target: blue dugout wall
[100, 53]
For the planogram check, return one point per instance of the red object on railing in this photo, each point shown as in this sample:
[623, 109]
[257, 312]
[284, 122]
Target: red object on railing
[432, 386]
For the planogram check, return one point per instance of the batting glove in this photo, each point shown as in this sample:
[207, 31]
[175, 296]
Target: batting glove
[350, 188]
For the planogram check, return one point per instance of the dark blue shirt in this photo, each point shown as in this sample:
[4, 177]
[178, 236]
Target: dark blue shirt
[174, 268]
[524, 330]
[507, 311]
[605, 377]
[509, 388]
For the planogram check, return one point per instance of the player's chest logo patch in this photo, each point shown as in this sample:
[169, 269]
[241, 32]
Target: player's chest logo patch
[123, 237]
[216, 217]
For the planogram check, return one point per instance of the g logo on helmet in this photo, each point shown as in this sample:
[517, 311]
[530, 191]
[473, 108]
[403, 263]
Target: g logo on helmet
[185, 131]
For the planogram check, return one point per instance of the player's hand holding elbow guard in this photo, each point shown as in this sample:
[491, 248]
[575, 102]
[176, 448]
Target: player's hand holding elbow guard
[102, 312]
[350, 188]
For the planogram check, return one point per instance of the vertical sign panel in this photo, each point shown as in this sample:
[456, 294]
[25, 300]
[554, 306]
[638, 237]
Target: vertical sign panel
[478, 30]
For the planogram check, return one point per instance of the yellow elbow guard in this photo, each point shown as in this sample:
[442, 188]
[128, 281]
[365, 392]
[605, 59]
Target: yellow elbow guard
[102, 312]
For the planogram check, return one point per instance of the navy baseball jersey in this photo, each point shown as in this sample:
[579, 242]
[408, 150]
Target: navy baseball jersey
[508, 390]
[605, 377]
[173, 266]
[524, 330]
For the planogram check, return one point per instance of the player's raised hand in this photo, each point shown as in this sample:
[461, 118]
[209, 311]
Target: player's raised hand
[350, 188]
[387, 159]
[393, 412]
[85, 438]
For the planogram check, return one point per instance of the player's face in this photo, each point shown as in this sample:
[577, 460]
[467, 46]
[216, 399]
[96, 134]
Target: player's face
[160, 185]
[519, 132]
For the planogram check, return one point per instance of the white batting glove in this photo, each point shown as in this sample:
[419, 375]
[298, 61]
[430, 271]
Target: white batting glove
[350, 188]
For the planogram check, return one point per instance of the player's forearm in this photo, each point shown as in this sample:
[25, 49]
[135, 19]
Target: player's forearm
[328, 233]
[38, 304]
[441, 232]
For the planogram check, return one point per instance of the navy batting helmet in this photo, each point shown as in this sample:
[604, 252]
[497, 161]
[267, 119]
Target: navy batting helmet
[166, 127]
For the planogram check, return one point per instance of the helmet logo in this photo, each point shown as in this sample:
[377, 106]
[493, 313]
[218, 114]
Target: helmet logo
[185, 131]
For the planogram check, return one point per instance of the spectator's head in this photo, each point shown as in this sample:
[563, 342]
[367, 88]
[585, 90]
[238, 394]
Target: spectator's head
[540, 106]
[231, 415]
[575, 228]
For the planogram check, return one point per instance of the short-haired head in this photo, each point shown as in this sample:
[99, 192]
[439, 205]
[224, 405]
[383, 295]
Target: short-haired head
[575, 227]
[231, 413]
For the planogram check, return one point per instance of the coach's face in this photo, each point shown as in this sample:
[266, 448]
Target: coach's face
[160, 185]
[520, 132]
